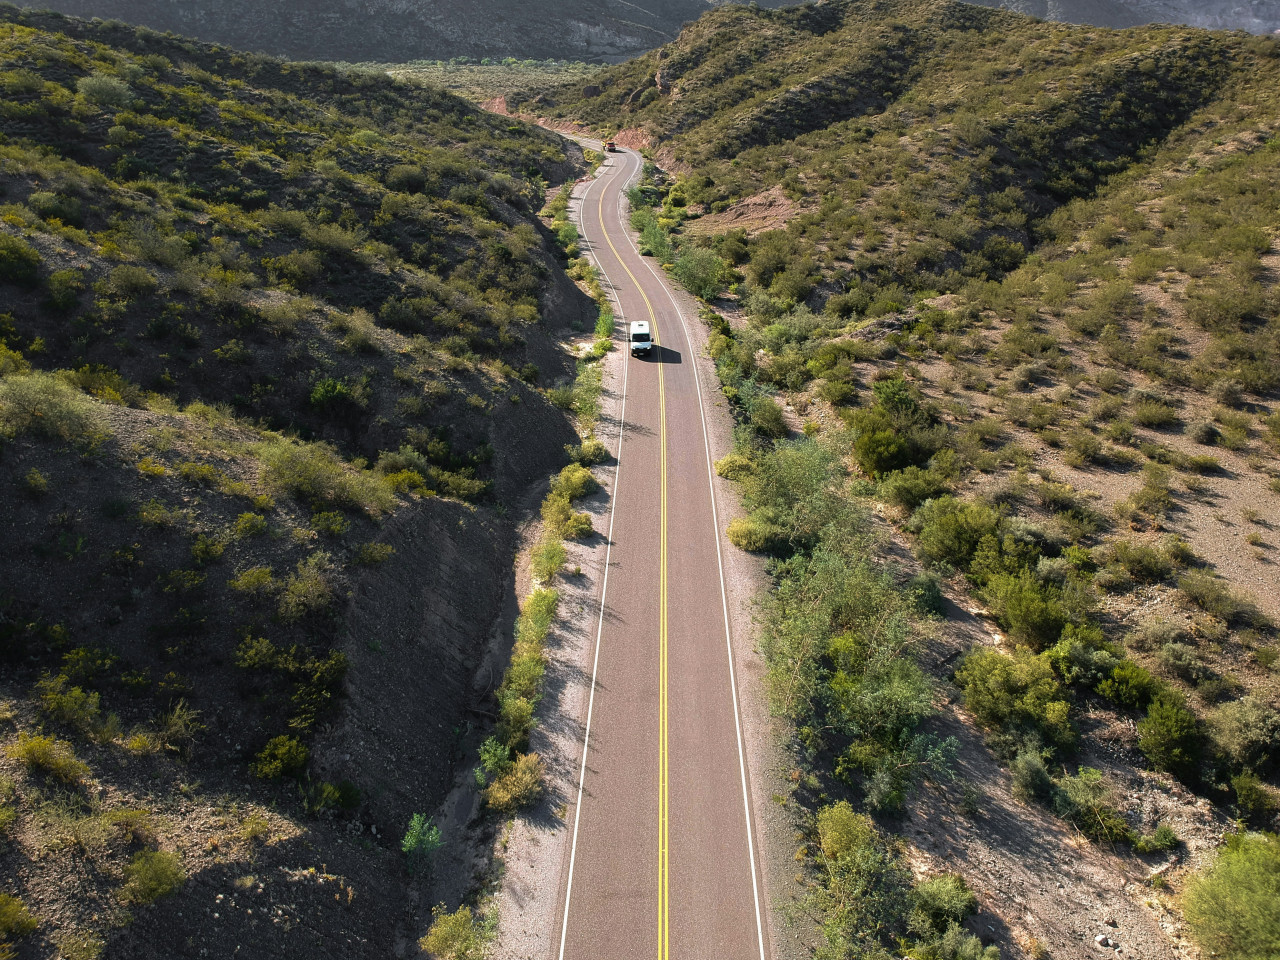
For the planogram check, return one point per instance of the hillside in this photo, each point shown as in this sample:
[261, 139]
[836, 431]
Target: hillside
[391, 30]
[1255, 16]
[277, 344]
[997, 304]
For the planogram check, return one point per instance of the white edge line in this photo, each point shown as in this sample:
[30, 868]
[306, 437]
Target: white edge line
[724, 597]
[604, 587]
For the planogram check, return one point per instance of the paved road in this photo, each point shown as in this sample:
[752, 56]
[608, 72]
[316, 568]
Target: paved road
[661, 860]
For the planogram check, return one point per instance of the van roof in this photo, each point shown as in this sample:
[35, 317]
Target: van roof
[640, 326]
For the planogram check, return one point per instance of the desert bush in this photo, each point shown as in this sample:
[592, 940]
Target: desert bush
[940, 901]
[372, 554]
[1087, 800]
[1142, 561]
[766, 416]
[406, 178]
[912, 486]
[1129, 685]
[519, 787]
[1029, 609]
[283, 756]
[756, 533]
[1213, 596]
[1160, 840]
[1230, 907]
[19, 261]
[547, 559]
[152, 874]
[1168, 736]
[249, 525]
[1183, 661]
[44, 404]
[1018, 691]
[1030, 777]
[591, 451]
[948, 530]
[456, 936]
[53, 758]
[1246, 731]
[16, 922]
[316, 473]
[307, 590]
[1203, 432]
[700, 271]
[127, 282]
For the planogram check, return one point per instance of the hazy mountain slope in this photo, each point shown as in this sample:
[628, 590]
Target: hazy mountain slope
[272, 343]
[402, 30]
[1256, 16]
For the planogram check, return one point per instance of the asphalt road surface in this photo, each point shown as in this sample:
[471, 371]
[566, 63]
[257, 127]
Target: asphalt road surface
[661, 861]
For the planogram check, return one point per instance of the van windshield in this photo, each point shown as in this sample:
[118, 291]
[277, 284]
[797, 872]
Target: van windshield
[639, 338]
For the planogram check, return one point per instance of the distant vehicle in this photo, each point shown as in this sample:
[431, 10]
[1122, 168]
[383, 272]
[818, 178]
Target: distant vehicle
[641, 341]
[610, 146]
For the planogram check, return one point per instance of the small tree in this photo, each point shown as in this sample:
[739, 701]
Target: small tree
[421, 841]
[1168, 737]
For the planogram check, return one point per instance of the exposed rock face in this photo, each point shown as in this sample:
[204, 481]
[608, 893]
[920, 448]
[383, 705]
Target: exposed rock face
[402, 30]
[1256, 16]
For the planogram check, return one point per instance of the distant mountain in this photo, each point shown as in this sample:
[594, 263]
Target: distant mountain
[402, 30]
[1256, 16]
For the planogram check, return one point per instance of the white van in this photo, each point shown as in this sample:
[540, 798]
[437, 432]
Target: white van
[641, 341]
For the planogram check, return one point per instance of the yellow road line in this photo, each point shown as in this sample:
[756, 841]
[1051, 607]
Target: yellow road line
[664, 861]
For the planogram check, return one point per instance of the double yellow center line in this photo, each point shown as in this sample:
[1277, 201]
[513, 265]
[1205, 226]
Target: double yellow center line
[664, 860]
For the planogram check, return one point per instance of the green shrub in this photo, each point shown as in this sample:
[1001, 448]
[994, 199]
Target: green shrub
[1214, 596]
[519, 787]
[548, 558]
[1029, 609]
[1030, 777]
[590, 451]
[152, 874]
[283, 756]
[1018, 691]
[54, 758]
[19, 261]
[843, 832]
[1231, 906]
[948, 530]
[1168, 736]
[65, 287]
[307, 590]
[1253, 800]
[372, 554]
[1161, 840]
[912, 486]
[1129, 685]
[316, 473]
[766, 416]
[44, 404]
[1246, 731]
[105, 91]
[942, 900]
[1142, 561]
[16, 922]
[406, 178]
[421, 841]
[757, 534]
[1087, 800]
[127, 282]
[455, 936]
[331, 523]
[249, 525]
[700, 271]
[574, 482]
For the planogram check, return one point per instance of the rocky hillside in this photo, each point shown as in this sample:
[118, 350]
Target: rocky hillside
[396, 30]
[275, 350]
[1012, 289]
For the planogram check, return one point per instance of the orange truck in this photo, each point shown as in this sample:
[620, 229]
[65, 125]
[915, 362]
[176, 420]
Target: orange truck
[610, 146]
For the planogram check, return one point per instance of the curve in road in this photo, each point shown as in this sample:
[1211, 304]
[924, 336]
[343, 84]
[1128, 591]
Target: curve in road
[662, 855]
